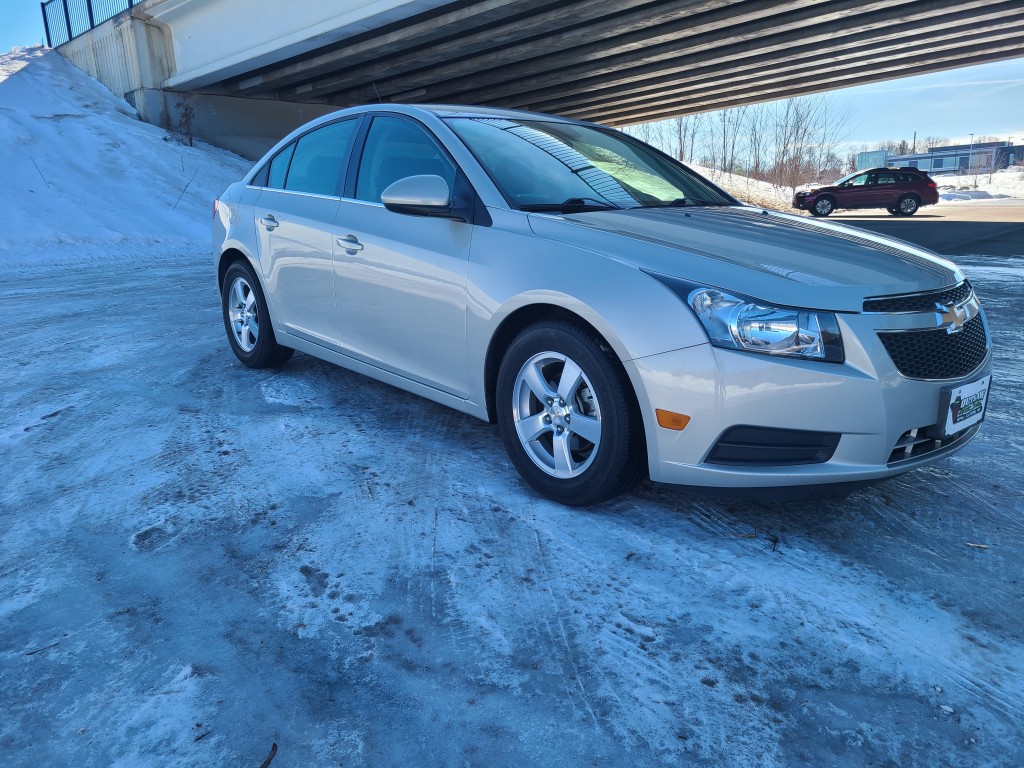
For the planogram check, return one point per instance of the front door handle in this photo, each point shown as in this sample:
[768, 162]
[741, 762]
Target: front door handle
[349, 243]
[270, 222]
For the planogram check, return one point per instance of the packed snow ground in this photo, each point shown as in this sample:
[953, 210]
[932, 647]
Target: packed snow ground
[199, 560]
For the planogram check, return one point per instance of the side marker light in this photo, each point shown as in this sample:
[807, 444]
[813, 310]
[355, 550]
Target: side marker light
[670, 420]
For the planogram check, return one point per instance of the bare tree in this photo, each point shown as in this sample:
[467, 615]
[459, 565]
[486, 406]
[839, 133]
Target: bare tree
[787, 143]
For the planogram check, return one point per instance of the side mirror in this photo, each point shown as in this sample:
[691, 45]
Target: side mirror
[419, 196]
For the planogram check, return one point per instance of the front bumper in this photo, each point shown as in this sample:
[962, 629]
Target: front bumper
[865, 400]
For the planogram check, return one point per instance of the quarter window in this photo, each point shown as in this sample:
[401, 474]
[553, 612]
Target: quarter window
[279, 167]
[394, 149]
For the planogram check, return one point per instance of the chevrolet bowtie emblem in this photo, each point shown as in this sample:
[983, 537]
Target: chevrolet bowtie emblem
[953, 317]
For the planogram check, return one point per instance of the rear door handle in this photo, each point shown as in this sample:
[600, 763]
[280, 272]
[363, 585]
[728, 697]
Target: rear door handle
[270, 222]
[349, 243]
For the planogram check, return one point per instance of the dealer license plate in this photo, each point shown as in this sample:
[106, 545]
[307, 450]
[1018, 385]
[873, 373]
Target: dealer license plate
[964, 406]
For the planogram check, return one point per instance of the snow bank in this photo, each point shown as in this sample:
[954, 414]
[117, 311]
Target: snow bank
[971, 194]
[1008, 182]
[748, 190]
[81, 168]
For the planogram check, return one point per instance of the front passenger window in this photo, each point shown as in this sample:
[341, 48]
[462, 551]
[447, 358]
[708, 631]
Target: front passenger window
[396, 148]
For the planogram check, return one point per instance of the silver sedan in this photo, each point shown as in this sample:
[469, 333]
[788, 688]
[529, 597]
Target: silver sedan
[616, 314]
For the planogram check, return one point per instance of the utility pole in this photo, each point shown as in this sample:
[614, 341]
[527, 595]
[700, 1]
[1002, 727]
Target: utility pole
[970, 161]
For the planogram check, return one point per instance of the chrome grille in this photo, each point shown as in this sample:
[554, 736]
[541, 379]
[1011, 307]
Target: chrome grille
[937, 354]
[920, 302]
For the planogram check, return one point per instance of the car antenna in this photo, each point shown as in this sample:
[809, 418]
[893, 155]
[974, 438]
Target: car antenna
[377, 92]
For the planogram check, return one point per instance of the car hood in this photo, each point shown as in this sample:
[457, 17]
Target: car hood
[776, 257]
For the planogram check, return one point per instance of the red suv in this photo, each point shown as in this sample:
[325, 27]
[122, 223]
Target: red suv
[901, 191]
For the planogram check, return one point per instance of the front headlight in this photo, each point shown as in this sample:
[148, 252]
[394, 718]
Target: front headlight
[749, 325]
[739, 322]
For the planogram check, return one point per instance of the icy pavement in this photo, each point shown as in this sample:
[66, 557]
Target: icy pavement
[198, 560]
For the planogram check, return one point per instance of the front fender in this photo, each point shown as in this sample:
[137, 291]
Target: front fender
[512, 269]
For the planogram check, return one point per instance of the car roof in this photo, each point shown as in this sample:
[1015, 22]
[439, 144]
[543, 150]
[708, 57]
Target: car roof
[462, 110]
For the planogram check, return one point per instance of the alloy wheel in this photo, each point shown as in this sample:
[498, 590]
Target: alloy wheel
[243, 314]
[556, 415]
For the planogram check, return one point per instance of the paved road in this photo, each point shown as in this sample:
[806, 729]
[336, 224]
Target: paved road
[993, 227]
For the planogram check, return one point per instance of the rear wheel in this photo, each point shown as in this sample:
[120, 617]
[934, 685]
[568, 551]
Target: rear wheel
[908, 205]
[823, 206]
[247, 320]
[567, 415]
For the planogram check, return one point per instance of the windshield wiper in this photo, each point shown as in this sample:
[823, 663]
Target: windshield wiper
[680, 202]
[572, 205]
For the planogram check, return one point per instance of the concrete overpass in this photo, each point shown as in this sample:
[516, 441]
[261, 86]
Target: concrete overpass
[615, 61]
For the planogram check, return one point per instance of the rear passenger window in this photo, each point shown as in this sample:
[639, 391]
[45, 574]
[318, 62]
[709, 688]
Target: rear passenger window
[317, 161]
[886, 178]
[279, 167]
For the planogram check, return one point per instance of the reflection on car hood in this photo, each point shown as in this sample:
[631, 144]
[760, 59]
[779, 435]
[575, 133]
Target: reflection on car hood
[772, 256]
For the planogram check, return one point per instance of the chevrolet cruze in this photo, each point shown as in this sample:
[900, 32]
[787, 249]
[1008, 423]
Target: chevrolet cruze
[616, 314]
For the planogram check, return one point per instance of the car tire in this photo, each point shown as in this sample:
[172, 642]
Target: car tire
[823, 206]
[247, 320]
[908, 205]
[567, 415]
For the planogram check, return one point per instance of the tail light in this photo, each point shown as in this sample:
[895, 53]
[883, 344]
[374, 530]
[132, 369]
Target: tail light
[933, 185]
[216, 206]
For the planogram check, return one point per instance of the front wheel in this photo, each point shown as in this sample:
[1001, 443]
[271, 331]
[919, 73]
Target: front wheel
[247, 320]
[567, 415]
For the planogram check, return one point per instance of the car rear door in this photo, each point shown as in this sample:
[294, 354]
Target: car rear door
[886, 190]
[401, 279]
[295, 214]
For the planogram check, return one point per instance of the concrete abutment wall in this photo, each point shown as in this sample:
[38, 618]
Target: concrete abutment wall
[131, 55]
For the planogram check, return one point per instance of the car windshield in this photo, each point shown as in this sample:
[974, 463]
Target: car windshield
[847, 177]
[551, 166]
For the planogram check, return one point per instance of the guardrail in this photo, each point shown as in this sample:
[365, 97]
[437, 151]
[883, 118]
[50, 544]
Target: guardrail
[65, 20]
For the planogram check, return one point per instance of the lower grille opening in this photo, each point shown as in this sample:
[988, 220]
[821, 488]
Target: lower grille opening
[768, 447]
[915, 443]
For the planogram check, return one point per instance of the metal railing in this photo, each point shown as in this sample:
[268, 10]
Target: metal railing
[65, 20]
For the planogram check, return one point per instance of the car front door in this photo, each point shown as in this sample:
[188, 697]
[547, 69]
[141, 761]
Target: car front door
[400, 279]
[856, 192]
[295, 214]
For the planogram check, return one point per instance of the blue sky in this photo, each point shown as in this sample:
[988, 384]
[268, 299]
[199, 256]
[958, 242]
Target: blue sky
[985, 99]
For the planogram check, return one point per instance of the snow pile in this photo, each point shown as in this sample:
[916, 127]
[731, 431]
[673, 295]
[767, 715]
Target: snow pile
[83, 170]
[970, 194]
[1008, 182]
[747, 190]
